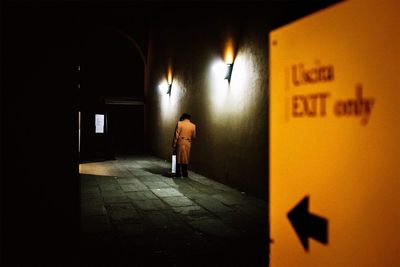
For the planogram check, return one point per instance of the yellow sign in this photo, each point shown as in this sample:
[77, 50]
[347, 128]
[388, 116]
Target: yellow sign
[335, 137]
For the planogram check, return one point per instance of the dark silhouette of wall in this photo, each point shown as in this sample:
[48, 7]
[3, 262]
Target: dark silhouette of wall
[39, 172]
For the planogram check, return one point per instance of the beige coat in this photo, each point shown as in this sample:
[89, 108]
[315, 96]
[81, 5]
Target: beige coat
[185, 132]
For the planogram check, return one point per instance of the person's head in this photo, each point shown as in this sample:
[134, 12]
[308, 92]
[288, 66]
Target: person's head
[185, 116]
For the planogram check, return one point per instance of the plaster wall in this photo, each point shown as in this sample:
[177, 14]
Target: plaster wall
[231, 118]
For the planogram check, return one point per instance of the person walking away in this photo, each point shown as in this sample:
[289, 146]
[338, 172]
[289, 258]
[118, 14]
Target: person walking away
[185, 132]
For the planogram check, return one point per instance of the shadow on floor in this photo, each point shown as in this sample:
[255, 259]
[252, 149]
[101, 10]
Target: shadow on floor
[160, 171]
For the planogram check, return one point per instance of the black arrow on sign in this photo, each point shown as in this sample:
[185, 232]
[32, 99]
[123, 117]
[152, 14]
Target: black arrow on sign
[308, 225]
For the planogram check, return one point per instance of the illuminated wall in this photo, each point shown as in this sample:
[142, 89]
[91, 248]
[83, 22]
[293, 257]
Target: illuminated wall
[231, 117]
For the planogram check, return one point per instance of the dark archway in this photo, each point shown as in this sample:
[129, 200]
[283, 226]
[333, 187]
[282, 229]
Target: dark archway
[112, 71]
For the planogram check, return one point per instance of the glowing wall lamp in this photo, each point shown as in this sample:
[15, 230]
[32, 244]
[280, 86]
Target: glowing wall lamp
[169, 88]
[229, 55]
[228, 72]
[169, 81]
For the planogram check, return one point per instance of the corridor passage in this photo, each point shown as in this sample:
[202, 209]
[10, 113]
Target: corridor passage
[134, 214]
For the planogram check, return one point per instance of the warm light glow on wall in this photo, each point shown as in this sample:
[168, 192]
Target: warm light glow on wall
[234, 97]
[169, 75]
[169, 103]
[229, 53]
[242, 86]
[218, 86]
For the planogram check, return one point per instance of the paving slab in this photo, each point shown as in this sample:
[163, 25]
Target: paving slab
[213, 227]
[141, 195]
[212, 205]
[132, 165]
[116, 199]
[167, 192]
[139, 172]
[127, 180]
[178, 201]
[129, 208]
[151, 178]
[171, 182]
[133, 187]
[169, 226]
[90, 189]
[109, 187]
[144, 163]
[162, 219]
[151, 204]
[156, 185]
[202, 188]
[230, 198]
[122, 211]
[199, 178]
[188, 210]
[186, 189]
[107, 180]
[113, 193]
[93, 208]
[189, 213]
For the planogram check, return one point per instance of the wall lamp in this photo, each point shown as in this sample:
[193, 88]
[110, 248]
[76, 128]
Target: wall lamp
[169, 88]
[169, 80]
[228, 72]
[229, 57]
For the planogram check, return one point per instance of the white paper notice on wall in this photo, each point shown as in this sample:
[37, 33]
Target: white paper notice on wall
[99, 122]
[334, 137]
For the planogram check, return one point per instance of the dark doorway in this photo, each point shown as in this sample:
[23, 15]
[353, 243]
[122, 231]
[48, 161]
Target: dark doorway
[94, 144]
[126, 128]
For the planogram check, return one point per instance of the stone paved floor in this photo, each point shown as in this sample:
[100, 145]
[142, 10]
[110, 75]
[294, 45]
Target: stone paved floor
[134, 214]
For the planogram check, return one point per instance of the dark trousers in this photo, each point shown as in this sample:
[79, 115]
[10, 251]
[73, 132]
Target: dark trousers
[181, 170]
